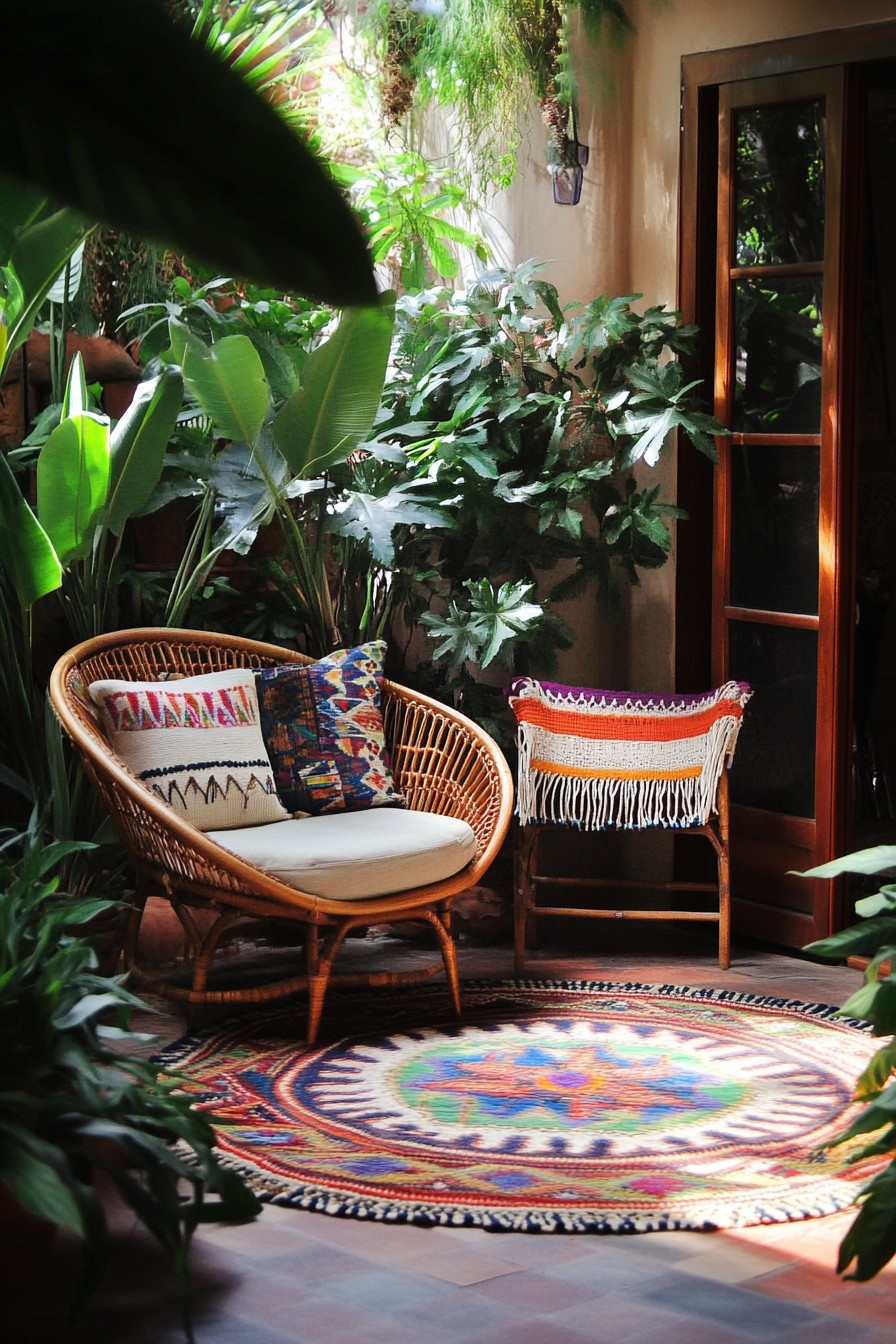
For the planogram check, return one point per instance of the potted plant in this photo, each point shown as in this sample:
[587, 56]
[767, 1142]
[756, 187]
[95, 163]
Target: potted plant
[71, 1101]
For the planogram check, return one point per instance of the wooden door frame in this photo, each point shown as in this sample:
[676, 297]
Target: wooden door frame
[703, 73]
[776, 844]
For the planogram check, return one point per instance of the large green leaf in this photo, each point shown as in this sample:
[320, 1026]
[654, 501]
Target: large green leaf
[74, 399]
[26, 551]
[137, 445]
[38, 255]
[209, 166]
[73, 479]
[373, 518]
[875, 860]
[857, 940]
[228, 380]
[341, 389]
[479, 635]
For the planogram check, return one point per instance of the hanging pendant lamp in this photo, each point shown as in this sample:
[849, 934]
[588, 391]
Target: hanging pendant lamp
[567, 160]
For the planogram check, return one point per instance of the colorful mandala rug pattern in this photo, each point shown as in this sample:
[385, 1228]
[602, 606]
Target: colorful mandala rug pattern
[567, 1106]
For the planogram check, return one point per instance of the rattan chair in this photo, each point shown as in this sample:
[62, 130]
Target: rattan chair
[442, 762]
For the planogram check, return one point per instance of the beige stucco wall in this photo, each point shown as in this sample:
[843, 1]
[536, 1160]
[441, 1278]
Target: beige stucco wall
[623, 237]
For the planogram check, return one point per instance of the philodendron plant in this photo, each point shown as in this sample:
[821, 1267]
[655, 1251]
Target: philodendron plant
[72, 1102]
[871, 1241]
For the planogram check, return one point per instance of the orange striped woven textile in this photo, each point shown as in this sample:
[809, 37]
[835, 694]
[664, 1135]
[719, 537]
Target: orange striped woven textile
[596, 759]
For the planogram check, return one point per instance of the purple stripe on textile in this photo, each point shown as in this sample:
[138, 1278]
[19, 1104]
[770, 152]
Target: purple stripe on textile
[618, 697]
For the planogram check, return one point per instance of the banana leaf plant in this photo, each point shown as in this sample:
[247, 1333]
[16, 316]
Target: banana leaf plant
[282, 453]
[90, 479]
[36, 242]
[871, 1240]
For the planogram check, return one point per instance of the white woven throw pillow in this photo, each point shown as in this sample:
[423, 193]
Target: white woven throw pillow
[197, 744]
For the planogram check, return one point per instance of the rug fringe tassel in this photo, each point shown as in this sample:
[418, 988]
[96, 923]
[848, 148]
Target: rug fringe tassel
[375, 1209]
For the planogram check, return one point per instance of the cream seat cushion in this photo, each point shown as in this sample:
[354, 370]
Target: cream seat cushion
[352, 856]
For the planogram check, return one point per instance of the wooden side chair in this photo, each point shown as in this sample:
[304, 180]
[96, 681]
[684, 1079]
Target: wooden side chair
[598, 760]
[443, 763]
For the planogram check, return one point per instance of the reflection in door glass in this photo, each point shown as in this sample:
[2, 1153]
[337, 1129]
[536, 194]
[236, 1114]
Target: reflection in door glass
[774, 767]
[777, 339]
[774, 528]
[779, 184]
[874, 665]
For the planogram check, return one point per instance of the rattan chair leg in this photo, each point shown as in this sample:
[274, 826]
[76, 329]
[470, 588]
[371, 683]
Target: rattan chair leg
[135, 919]
[441, 922]
[188, 924]
[312, 949]
[317, 990]
[317, 983]
[203, 955]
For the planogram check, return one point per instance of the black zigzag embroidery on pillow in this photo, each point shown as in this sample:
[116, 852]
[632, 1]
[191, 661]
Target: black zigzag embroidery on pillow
[198, 765]
[212, 790]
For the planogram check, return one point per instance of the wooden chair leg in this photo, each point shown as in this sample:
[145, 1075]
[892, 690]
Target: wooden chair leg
[724, 909]
[724, 862]
[524, 930]
[531, 889]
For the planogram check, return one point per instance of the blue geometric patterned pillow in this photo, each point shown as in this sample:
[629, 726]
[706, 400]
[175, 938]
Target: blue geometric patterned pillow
[323, 728]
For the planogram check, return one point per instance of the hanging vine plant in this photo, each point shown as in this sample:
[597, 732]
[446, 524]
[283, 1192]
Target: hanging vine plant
[401, 40]
[489, 61]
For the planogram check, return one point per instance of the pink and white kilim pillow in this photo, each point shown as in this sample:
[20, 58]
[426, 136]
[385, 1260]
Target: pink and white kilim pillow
[594, 759]
[197, 744]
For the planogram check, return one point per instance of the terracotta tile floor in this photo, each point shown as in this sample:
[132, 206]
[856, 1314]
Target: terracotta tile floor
[305, 1278]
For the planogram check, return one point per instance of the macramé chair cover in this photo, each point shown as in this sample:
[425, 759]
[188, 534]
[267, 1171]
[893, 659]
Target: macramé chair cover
[596, 759]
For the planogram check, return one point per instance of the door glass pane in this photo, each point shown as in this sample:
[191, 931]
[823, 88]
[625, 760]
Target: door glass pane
[777, 339]
[774, 528]
[779, 184]
[874, 668]
[774, 765]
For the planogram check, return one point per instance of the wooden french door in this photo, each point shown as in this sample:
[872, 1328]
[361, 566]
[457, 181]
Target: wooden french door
[778, 591]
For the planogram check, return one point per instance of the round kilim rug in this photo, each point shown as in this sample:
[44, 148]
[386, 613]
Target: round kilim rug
[553, 1106]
